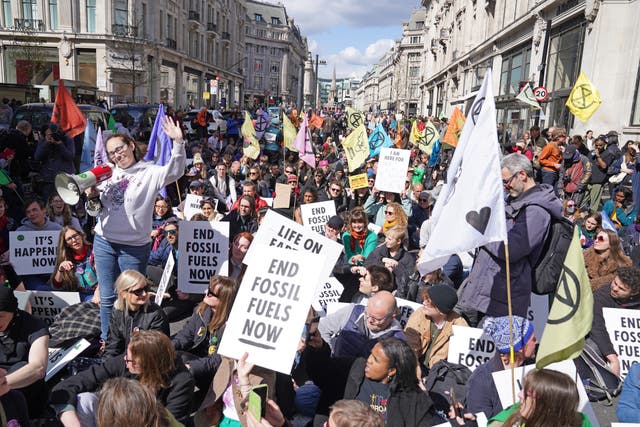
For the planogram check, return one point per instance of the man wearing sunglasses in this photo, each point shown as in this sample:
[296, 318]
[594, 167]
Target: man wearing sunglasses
[529, 208]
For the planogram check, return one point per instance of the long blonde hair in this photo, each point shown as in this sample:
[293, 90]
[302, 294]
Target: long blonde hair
[125, 281]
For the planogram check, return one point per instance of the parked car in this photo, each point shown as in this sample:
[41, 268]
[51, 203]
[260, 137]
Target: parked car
[216, 121]
[138, 118]
[6, 113]
[39, 114]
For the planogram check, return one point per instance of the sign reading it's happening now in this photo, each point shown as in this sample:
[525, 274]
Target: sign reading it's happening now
[33, 252]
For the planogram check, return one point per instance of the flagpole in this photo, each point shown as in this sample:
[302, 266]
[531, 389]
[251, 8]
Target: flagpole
[178, 190]
[510, 308]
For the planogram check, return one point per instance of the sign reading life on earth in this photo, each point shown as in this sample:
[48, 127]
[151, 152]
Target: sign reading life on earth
[406, 309]
[270, 310]
[33, 252]
[392, 169]
[46, 305]
[623, 327]
[470, 347]
[203, 249]
[280, 232]
[316, 215]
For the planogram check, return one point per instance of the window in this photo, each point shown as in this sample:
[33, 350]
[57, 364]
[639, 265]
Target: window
[258, 66]
[635, 110]
[29, 9]
[275, 21]
[143, 22]
[6, 8]
[53, 14]
[415, 39]
[120, 12]
[419, 25]
[414, 57]
[274, 84]
[258, 17]
[274, 51]
[91, 16]
[515, 68]
[414, 71]
[257, 82]
[274, 67]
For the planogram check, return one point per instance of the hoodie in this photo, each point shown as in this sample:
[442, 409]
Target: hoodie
[26, 225]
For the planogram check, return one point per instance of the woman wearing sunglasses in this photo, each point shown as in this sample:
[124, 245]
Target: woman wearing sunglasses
[604, 258]
[133, 311]
[199, 338]
[75, 267]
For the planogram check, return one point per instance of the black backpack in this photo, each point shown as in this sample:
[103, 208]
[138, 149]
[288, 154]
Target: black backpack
[599, 382]
[547, 270]
[441, 378]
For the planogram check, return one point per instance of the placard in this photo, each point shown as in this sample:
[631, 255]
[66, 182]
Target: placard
[46, 305]
[164, 280]
[538, 313]
[280, 232]
[283, 196]
[470, 347]
[392, 170]
[23, 299]
[623, 327]
[328, 293]
[191, 206]
[33, 252]
[59, 358]
[316, 215]
[204, 252]
[358, 181]
[406, 309]
[271, 308]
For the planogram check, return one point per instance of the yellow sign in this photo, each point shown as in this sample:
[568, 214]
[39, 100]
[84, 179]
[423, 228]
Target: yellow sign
[206, 95]
[356, 146]
[358, 181]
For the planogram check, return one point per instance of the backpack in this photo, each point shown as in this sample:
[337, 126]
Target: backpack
[546, 272]
[599, 382]
[441, 378]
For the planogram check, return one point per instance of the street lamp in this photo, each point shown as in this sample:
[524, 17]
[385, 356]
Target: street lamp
[316, 87]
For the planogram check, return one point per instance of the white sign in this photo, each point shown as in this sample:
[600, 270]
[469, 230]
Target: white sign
[59, 358]
[280, 232]
[406, 309]
[204, 252]
[166, 277]
[33, 252]
[191, 206]
[502, 379]
[316, 215]
[23, 298]
[392, 170]
[271, 308]
[46, 305]
[470, 347]
[328, 293]
[538, 313]
[623, 326]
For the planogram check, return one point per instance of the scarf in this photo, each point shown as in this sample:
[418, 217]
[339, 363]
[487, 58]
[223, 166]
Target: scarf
[357, 238]
[387, 225]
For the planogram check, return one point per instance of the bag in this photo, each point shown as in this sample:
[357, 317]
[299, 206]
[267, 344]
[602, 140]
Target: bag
[442, 377]
[547, 270]
[599, 382]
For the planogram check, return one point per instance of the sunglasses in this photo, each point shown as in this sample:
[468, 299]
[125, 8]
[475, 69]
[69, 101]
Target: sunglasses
[171, 232]
[600, 238]
[508, 181]
[138, 292]
[211, 294]
[389, 212]
[423, 200]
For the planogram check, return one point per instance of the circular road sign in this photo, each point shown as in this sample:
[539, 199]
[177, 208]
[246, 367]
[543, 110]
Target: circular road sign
[541, 93]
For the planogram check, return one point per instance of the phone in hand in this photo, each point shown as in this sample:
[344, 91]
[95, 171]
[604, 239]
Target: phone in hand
[258, 401]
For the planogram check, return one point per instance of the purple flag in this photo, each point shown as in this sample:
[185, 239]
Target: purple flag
[158, 136]
[262, 123]
[302, 143]
[100, 152]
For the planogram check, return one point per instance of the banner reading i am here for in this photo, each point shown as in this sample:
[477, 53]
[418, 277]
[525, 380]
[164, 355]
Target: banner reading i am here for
[203, 251]
[33, 252]
[623, 327]
[392, 169]
[269, 312]
[316, 215]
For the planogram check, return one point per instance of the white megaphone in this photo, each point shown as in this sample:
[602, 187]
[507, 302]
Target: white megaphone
[70, 187]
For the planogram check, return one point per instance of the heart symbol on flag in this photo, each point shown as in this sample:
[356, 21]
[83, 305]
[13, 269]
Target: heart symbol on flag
[479, 220]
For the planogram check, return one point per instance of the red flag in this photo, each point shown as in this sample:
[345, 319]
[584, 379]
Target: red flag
[316, 121]
[67, 114]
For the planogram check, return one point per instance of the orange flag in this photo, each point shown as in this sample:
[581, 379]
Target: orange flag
[316, 121]
[67, 114]
[456, 123]
[398, 141]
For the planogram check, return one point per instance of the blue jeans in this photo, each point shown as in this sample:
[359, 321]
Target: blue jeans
[112, 259]
[550, 178]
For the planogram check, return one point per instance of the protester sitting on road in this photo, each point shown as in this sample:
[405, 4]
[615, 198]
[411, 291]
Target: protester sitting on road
[373, 279]
[208, 208]
[309, 195]
[375, 207]
[199, 338]
[237, 251]
[393, 256]
[358, 240]
[59, 212]
[161, 213]
[629, 403]
[150, 358]
[482, 394]
[56, 151]
[548, 398]
[416, 282]
[242, 219]
[133, 311]
[12, 403]
[75, 267]
[23, 351]
[604, 258]
[429, 328]
[621, 209]
[589, 229]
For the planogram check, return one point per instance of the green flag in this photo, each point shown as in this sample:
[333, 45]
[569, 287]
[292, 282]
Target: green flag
[111, 125]
[5, 179]
[571, 311]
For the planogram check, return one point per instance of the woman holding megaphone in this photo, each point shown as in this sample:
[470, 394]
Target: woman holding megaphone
[124, 222]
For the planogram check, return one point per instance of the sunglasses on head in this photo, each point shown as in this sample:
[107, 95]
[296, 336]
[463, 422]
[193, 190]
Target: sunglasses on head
[138, 292]
[210, 293]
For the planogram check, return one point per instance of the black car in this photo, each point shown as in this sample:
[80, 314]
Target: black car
[138, 118]
[39, 115]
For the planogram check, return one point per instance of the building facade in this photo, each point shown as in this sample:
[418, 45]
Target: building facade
[276, 54]
[408, 63]
[345, 90]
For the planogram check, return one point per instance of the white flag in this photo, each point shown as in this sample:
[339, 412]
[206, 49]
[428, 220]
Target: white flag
[469, 211]
[526, 96]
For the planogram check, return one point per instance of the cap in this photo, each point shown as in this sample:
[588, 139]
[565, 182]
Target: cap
[569, 152]
[498, 330]
[323, 163]
[336, 223]
[195, 184]
[444, 297]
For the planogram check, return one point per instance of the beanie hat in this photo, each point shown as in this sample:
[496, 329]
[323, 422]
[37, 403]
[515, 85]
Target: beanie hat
[8, 301]
[197, 158]
[336, 223]
[498, 330]
[444, 297]
[292, 178]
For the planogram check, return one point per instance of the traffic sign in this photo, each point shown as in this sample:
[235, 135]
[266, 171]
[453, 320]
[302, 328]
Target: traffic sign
[541, 93]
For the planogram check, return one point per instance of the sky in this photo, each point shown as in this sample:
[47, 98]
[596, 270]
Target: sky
[350, 34]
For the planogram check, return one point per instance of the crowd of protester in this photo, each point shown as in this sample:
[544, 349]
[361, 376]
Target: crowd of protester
[356, 366]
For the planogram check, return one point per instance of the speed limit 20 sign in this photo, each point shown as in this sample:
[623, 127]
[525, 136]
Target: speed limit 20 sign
[541, 93]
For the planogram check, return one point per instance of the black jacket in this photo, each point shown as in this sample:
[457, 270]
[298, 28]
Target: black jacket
[602, 298]
[404, 269]
[176, 398]
[124, 323]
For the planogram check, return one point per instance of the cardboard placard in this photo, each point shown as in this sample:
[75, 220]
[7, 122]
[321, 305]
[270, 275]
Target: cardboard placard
[406, 309]
[204, 252]
[166, 277]
[328, 293]
[191, 206]
[623, 327]
[46, 305]
[283, 196]
[33, 252]
[316, 215]
[358, 181]
[59, 358]
[470, 347]
[271, 308]
[392, 170]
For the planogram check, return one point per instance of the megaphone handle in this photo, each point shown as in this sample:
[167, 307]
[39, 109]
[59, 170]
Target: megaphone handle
[92, 192]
